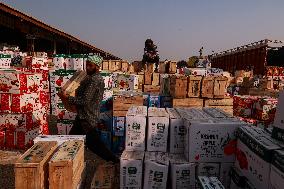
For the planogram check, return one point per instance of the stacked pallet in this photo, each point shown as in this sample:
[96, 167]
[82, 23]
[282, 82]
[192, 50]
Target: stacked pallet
[67, 165]
[225, 104]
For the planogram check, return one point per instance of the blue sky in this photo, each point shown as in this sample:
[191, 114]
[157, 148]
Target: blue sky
[178, 27]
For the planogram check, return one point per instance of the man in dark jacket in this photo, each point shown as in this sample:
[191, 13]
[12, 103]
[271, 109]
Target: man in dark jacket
[151, 55]
[87, 100]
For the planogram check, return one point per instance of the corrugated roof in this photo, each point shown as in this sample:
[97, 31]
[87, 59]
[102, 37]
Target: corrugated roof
[39, 23]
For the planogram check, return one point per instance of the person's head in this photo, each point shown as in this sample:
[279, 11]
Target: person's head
[93, 64]
[149, 43]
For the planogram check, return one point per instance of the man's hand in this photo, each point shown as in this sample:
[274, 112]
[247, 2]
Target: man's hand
[62, 95]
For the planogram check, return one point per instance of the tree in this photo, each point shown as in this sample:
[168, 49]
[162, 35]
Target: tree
[192, 61]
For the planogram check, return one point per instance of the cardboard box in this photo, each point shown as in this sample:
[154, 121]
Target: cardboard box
[182, 173]
[104, 176]
[277, 170]
[131, 169]
[124, 82]
[279, 120]
[238, 180]
[177, 132]
[136, 128]
[254, 154]
[77, 60]
[73, 83]
[208, 169]
[158, 126]
[217, 113]
[211, 140]
[118, 126]
[210, 183]
[59, 61]
[5, 101]
[166, 101]
[225, 177]
[156, 170]
[154, 101]
[5, 61]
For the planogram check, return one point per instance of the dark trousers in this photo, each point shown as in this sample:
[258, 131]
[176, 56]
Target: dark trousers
[93, 141]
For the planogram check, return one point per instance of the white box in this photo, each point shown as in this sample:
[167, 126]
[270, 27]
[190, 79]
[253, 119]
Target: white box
[156, 170]
[210, 183]
[254, 154]
[211, 140]
[277, 170]
[193, 114]
[279, 118]
[225, 177]
[208, 169]
[238, 180]
[182, 172]
[131, 169]
[217, 113]
[177, 131]
[158, 127]
[136, 128]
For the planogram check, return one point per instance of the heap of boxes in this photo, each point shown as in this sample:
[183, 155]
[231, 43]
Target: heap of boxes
[24, 96]
[257, 110]
[180, 144]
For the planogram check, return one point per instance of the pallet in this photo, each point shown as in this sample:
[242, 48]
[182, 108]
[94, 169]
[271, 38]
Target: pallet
[151, 89]
[188, 102]
[7, 169]
[194, 86]
[178, 86]
[156, 79]
[66, 165]
[218, 102]
[31, 170]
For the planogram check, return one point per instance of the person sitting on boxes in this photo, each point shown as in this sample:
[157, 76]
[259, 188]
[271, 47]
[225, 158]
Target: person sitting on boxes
[151, 55]
[87, 99]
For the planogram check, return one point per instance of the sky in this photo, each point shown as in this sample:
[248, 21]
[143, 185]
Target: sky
[178, 27]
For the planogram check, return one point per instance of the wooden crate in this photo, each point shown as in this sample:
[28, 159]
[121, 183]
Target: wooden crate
[105, 65]
[31, 170]
[147, 78]
[156, 79]
[114, 65]
[7, 169]
[218, 102]
[124, 66]
[172, 67]
[151, 89]
[178, 86]
[149, 68]
[188, 102]
[162, 67]
[124, 102]
[104, 176]
[207, 87]
[194, 86]
[220, 86]
[66, 165]
[140, 80]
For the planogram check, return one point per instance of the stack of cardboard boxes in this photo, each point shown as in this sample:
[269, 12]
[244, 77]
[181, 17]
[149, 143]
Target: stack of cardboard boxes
[24, 96]
[180, 144]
